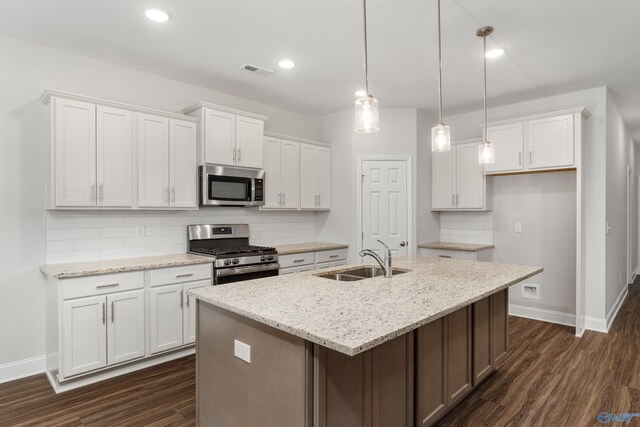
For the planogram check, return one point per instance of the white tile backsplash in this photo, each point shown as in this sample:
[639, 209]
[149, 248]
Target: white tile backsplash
[466, 227]
[73, 236]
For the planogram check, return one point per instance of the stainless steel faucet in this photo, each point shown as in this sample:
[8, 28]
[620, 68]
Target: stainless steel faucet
[384, 263]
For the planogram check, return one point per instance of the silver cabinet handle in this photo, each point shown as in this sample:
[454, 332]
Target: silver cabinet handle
[104, 314]
[188, 300]
[334, 256]
[284, 198]
[444, 256]
[179, 276]
[181, 301]
[239, 155]
[234, 154]
[101, 192]
[173, 194]
[453, 199]
[530, 157]
[110, 285]
[298, 260]
[113, 312]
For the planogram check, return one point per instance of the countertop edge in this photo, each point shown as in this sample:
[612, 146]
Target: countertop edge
[320, 248]
[452, 246]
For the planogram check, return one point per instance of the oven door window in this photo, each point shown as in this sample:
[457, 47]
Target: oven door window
[232, 189]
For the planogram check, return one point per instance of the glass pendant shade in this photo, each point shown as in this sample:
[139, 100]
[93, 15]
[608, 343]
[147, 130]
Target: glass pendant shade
[486, 153]
[440, 138]
[367, 115]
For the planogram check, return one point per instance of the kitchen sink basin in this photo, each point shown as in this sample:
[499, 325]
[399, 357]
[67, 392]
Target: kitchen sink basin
[358, 273]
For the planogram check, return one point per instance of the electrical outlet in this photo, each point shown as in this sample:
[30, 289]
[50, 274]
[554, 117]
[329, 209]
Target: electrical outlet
[518, 227]
[242, 351]
[530, 291]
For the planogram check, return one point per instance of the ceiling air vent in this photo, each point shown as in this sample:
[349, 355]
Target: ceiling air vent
[256, 70]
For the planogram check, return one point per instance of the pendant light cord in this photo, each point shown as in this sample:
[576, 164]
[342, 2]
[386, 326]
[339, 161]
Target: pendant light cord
[439, 67]
[484, 57]
[366, 73]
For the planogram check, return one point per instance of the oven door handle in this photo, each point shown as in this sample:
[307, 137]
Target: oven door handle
[235, 271]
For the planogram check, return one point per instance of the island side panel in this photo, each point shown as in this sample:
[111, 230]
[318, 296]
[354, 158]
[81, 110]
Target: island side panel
[271, 390]
[499, 332]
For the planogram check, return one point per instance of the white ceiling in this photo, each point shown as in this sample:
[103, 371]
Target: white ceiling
[552, 46]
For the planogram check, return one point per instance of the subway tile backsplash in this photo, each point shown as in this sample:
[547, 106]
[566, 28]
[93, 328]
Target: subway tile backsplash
[466, 227]
[73, 236]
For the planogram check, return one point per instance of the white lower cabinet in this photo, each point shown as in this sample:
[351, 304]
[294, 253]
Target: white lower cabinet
[84, 340]
[481, 255]
[309, 261]
[125, 326]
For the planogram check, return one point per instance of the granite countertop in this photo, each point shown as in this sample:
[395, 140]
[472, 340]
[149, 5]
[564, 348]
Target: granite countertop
[468, 247]
[298, 248]
[92, 268]
[352, 317]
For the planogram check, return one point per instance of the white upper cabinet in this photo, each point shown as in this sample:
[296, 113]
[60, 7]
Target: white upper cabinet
[74, 152]
[228, 137]
[509, 144]
[315, 174]
[272, 172]
[153, 161]
[182, 164]
[457, 179]
[551, 142]
[282, 173]
[323, 177]
[114, 157]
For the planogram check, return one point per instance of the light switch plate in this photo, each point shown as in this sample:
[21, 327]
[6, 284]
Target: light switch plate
[242, 351]
[518, 227]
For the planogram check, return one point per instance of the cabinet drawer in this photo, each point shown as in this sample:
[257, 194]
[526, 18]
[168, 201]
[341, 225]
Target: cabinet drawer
[187, 273]
[295, 260]
[330, 256]
[444, 253]
[99, 285]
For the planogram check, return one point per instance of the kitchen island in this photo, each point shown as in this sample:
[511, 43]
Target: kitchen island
[304, 350]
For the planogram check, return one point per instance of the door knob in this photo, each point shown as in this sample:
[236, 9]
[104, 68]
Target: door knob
[403, 243]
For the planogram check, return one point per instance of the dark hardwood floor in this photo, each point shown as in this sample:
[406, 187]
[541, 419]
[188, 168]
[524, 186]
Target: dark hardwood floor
[550, 378]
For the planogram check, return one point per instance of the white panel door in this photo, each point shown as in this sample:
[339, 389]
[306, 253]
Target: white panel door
[219, 137]
[74, 142]
[323, 177]
[249, 136]
[114, 144]
[166, 318]
[125, 331]
[469, 178]
[443, 179]
[84, 346]
[385, 215]
[182, 164]
[509, 144]
[308, 193]
[290, 174]
[189, 311]
[551, 142]
[271, 158]
[153, 161]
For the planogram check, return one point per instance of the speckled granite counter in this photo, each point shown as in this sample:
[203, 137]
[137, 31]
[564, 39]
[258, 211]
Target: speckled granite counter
[352, 317]
[92, 268]
[298, 248]
[450, 246]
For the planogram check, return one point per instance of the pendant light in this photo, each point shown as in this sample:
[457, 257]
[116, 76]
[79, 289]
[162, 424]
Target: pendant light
[367, 105]
[486, 151]
[440, 133]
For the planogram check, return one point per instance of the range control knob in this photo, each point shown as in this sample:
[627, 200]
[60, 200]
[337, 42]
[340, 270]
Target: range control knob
[235, 260]
[270, 257]
[227, 262]
[263, 258]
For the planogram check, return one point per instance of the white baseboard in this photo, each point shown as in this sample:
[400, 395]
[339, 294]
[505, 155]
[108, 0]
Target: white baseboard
[595, 324]
[613, 312]
[543, 314]
[22, 368]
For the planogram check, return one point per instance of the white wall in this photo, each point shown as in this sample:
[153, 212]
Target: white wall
[28, 70]
[428, 227]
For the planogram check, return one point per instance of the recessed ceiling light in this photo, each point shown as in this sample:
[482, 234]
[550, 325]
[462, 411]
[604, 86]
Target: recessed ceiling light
[157, 15]
[361, 93]
[494, 53]
[287, 64]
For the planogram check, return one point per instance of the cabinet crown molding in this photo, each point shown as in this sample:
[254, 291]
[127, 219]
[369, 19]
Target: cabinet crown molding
[582, 110]
[50, 93]
[296, 139]
[200, 105]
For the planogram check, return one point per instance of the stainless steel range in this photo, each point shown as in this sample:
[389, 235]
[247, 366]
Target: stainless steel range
[235, 258]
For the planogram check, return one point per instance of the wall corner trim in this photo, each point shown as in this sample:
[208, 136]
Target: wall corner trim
[611, 316]
[22, 368]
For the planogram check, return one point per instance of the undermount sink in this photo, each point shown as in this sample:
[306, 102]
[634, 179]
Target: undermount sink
[358, 273]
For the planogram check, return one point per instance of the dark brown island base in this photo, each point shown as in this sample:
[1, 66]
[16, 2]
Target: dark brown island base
[410, 378]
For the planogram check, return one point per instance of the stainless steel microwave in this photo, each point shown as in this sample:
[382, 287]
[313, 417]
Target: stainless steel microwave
[231, 186]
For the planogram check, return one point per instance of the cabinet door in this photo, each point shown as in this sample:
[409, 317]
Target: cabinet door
[84, 336]
[290, 174]
[308, 193]
[271, 156]
[551, 142]
[323, 177]
[249, 136]
[499, 335]
[431, 369]
[459, 377]
[182, 164]
[443, 180]
[125, 334]
[509, 142]
[219, 137]
[189, 311]
[166, 318]
[153, 161]
[74, 139]
[482, 343]
[469, 178]
[114, 157]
